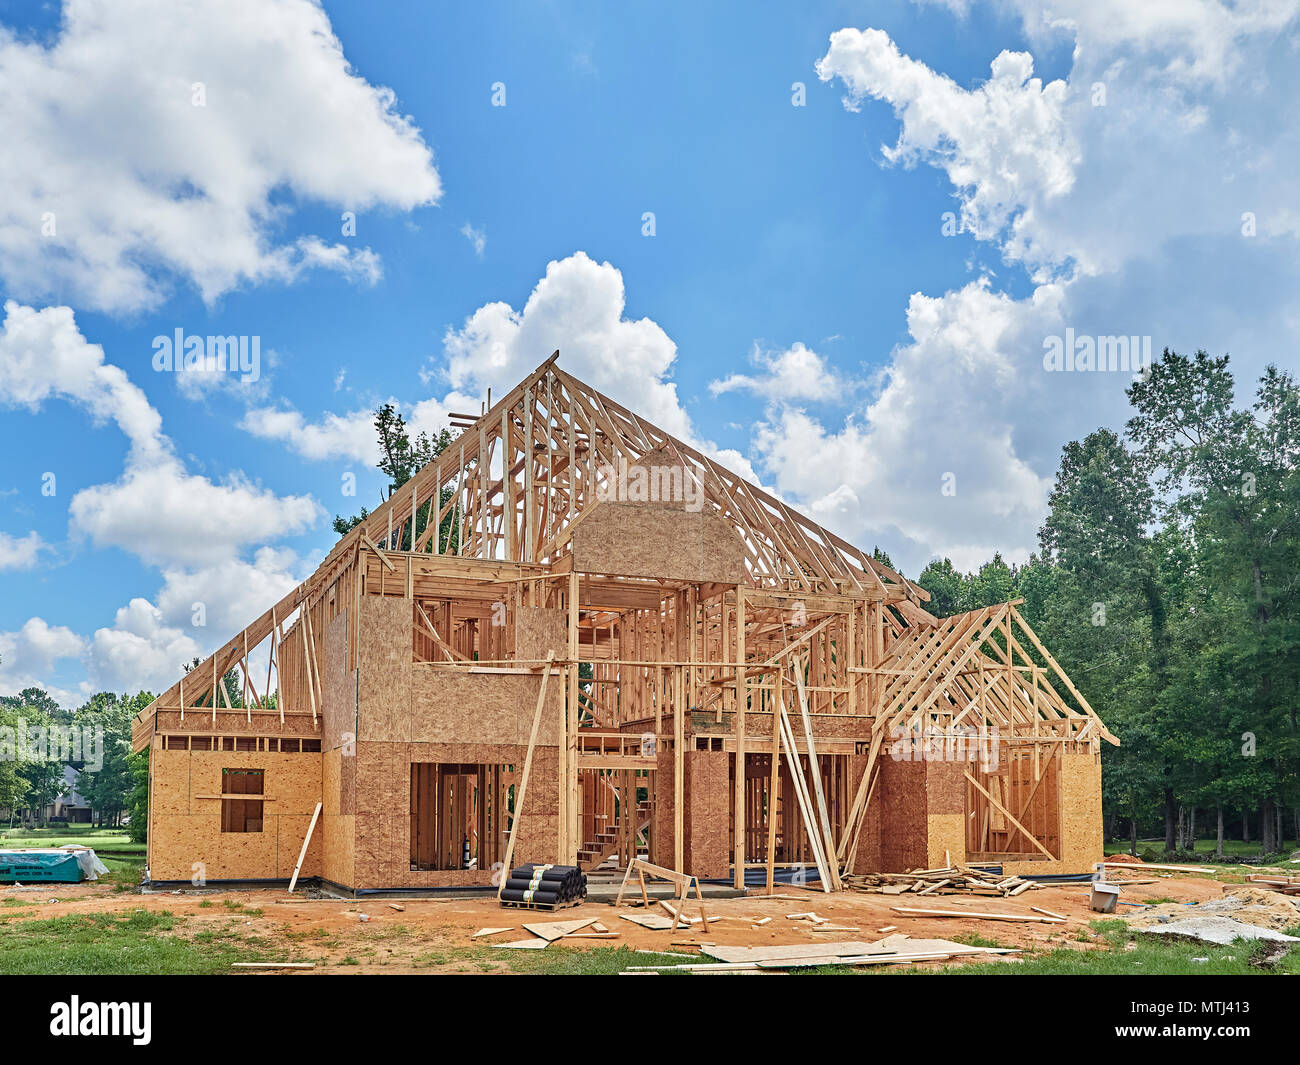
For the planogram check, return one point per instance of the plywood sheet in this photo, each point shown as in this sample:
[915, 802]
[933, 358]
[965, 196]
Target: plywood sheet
[657, 540]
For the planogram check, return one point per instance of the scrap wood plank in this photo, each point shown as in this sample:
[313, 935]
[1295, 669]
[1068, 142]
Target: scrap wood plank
[524, 944]
[273, 965]
[491, 931]
[552, 930]
[1049, 913]
[775, 952]
[918, 912]
[1133, 866]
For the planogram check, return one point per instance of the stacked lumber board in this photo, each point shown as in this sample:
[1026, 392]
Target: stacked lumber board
[953, 880]
[1287, 885]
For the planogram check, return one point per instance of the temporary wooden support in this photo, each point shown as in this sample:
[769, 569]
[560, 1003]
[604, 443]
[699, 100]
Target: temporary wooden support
[302, 854]
[522, 790]
[683, 882]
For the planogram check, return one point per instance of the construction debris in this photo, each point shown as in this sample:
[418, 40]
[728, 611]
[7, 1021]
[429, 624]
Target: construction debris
[953, 880]
[552, 930]
[1026, 917]
[1220, 930]
[1248, 904]
[894, 950]
[1287, 885]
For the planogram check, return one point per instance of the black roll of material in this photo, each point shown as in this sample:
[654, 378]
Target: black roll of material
[516, 895]
[565, 882]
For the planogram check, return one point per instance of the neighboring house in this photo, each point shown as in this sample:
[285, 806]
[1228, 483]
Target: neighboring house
[70, 806]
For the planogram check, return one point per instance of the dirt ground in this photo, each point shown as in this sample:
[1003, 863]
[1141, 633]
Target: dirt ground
[434, 935]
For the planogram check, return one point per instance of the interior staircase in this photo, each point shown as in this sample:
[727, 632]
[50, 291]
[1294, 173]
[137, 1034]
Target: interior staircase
[595, 851]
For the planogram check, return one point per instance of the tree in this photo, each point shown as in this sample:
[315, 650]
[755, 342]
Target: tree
[108, 788]
[400, 459]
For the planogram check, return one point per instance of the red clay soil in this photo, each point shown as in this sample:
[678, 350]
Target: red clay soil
[434, 935]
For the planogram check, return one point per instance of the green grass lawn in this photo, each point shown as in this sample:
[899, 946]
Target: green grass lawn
[114, 945]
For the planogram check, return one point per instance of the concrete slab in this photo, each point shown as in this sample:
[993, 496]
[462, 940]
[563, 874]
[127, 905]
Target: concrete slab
[1220, 930]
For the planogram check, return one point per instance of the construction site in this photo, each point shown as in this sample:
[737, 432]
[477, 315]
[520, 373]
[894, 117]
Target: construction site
[572, 639]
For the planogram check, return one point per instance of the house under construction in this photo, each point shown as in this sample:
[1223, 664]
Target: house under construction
[575, 638]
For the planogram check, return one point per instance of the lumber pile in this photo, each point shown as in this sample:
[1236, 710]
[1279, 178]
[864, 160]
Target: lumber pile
[954, 880]
[1287, 885]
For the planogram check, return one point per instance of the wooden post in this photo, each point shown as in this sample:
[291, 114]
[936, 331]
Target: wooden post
[741, 699]
[571, 727]
[679, 739]
[774, 781]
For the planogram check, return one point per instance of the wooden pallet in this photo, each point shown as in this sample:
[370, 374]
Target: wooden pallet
[543, 905]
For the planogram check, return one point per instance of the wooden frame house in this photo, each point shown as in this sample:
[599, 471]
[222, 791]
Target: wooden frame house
[681, 666]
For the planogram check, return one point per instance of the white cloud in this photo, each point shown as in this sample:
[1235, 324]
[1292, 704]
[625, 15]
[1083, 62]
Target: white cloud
[948, 406]
[43, 355]
[163, 514]
[1121, 190]
[794, 374]
[103, 138]
[1005, 146]
[1191, 42]
[140, 651]
[476, 237]
[232, 592]
[148, 644]
[20, 552]
[156, 509]
[578, 308]
[335, 436]
[29, 655]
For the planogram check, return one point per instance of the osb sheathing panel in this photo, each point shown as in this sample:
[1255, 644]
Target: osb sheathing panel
[383, 820]
[401, 703]
[662, 846]
[449, 707]
[185, 830]
[1081, 825]
[945, 787]
[337, 684]
[384, 661]
[707, 797]
[946, 834]
[337, 828]
[657, 540]
[540, 629]
[903, 828]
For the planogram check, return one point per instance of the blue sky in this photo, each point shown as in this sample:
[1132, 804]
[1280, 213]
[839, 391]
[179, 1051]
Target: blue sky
[799, 309]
